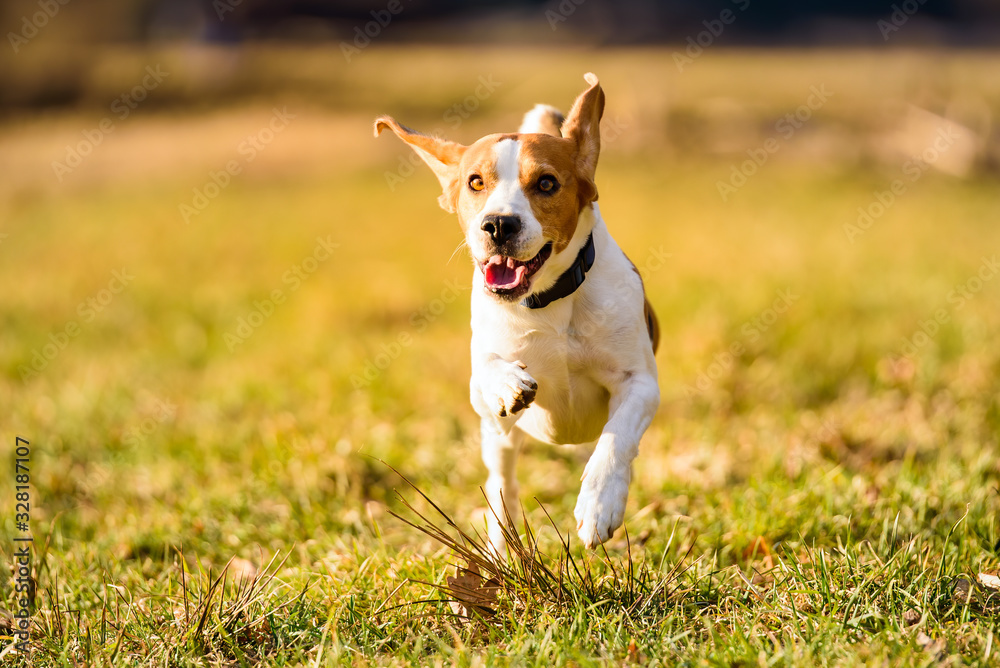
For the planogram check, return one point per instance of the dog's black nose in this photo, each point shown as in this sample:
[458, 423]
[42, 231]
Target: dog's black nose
[501, 227]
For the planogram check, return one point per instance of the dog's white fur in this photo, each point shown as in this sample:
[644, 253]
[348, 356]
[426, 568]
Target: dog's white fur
[588, 354]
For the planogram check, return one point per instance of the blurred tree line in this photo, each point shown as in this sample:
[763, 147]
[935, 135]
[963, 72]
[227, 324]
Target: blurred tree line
[955, 22]
[84, 52]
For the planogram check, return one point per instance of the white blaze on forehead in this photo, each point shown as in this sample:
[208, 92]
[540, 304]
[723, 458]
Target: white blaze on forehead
[507, 196]
[507, 152]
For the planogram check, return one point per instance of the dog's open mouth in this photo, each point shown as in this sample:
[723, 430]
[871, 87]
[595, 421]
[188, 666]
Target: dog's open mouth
[510, 278]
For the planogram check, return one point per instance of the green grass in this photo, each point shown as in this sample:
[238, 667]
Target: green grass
[789, 509]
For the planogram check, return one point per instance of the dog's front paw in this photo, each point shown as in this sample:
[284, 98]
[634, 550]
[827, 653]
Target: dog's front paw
[513, 390]
[600, 508]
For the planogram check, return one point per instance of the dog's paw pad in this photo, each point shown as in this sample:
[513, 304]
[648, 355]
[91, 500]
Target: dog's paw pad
[516, 389]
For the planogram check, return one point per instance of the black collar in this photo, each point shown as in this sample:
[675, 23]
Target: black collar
[571, 279]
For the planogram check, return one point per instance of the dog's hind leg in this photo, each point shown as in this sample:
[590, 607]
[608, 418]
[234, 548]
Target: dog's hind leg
[500, 452]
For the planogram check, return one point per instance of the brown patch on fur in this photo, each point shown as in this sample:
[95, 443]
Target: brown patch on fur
[652, 324]
[558, 211]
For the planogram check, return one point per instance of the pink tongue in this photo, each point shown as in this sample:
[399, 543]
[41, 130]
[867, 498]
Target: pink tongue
[504, 273]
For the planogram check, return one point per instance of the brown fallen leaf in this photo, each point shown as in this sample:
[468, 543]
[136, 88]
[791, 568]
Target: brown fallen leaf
[634, 655]
[936, 648]
[472, 593]
[258, 634]
[962, 593]
[911, 617]
[989, 580]
[760, 549]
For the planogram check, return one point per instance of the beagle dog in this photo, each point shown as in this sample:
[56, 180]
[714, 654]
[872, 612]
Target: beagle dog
[563, 337]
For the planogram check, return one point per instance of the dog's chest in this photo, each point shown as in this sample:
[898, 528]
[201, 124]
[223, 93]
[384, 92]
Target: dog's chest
[570, 406]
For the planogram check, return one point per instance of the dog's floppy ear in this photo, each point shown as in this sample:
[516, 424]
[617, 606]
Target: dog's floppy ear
[441, 156]
[583, 126]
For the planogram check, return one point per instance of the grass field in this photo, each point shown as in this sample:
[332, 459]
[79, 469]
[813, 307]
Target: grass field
[820, 486]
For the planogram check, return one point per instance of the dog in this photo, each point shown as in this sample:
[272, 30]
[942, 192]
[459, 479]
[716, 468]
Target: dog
[563, 337]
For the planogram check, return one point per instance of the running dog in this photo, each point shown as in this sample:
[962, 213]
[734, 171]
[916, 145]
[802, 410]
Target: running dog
[563, 337]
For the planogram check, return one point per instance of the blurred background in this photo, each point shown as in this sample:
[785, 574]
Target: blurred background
[422, 59]
[221, 293]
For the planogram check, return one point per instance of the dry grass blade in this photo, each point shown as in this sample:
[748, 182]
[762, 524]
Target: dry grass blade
[485, 585]
[231, 615]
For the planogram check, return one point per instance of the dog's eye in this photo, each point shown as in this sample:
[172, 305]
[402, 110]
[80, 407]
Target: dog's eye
[476, 182]
[547, 184]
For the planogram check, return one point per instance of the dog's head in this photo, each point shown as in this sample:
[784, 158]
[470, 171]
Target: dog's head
[518, 196]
